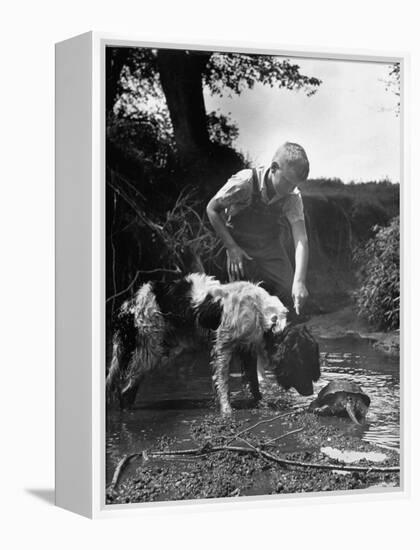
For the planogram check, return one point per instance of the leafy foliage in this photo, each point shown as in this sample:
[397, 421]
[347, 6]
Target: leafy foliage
[222, 72]
[378, 298]
[393, 83]
[236, 72]
[145, 136]
[221, 129]
[139, 85]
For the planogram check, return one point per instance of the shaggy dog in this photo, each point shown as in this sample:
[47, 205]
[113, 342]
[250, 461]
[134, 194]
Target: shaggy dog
[237, 319]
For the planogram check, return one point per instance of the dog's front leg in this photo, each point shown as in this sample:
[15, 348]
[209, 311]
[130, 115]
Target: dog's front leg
[221, 356]
[261, 367]
[129, 393]
[249, 372]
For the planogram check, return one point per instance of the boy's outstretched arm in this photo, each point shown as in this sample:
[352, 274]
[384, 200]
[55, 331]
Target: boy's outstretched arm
[299, 290]
[234, 252]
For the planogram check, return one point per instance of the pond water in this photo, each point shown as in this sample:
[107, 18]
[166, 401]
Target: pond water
[171, 400]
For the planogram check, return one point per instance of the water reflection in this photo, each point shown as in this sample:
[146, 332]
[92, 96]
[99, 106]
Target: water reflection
[379, 377]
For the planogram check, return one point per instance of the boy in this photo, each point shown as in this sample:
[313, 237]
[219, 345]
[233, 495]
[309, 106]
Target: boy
[250, 214]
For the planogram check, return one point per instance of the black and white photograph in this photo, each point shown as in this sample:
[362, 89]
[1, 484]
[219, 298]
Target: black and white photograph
[252, 259]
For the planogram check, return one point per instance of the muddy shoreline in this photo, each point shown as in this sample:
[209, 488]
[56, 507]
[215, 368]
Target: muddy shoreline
[280, 426]
[345, 322]
[235, 474]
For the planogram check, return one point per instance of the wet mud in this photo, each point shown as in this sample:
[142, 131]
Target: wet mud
[228, 473]
[175, 411]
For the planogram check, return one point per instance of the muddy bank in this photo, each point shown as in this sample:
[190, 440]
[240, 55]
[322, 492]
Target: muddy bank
[175, 412]
[296, 436]
[345, 322]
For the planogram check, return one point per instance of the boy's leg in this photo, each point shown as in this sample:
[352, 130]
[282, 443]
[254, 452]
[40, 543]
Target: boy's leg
[272, 267]
[277, 275]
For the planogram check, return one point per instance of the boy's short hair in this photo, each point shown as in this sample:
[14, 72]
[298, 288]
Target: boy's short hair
[296, 155]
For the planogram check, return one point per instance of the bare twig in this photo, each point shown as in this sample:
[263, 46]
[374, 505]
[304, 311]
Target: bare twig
[283, 415]
[114, 275]
[121, 466]
[284, 435]
[126, 182]
[283, 461]
[133, 205]
[365, 469]
[125, 290]
[207, 449]
[157, 270]
[122, 229]
[248, 443]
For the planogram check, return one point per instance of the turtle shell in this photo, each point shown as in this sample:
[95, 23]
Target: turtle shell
[330, 391]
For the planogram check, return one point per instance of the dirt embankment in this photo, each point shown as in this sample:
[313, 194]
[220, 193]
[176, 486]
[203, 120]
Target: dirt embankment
[346, 322]
[338, 220]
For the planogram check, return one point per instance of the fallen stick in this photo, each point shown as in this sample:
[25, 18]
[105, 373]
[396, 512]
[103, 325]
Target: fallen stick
[207, 449]
[122, 464]
[284, 435]
[283, 415]
[365, 469]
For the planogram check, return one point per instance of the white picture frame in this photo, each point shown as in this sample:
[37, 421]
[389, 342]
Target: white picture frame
[80, 268]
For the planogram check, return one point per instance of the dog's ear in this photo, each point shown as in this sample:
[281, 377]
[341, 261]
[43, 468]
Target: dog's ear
[209, 313]
[312, 354]
[277, 346]
[296, 360]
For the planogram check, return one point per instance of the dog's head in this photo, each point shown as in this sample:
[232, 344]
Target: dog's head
[294, 356]
[274, 314]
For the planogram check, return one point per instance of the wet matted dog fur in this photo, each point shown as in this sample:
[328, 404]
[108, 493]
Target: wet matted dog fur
[235, 319]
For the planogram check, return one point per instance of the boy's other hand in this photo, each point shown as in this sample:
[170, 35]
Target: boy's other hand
[299, 295]
[235, 262]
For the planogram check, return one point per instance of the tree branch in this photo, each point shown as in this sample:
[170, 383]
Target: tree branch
[207, 449]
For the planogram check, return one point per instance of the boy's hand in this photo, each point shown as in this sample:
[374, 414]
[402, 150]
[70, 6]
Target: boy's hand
[235, 266]
[299, 295]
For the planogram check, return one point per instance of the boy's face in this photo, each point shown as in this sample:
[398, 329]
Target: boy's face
[283, 176]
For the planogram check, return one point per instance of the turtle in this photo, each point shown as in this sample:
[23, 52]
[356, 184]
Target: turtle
[342, 398]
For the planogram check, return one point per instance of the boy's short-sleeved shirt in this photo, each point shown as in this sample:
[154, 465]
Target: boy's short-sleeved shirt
[237, 192]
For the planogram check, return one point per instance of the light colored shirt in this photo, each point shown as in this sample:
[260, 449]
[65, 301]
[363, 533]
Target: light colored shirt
[237, 192]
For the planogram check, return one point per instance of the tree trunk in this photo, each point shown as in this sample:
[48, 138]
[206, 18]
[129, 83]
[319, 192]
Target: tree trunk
[181, 77]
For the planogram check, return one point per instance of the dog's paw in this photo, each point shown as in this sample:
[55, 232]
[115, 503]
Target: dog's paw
[226, 411]
[264, 404]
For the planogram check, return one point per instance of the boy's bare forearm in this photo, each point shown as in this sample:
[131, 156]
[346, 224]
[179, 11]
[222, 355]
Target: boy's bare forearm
[219, 225]
[301, 261]
[300, 239]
